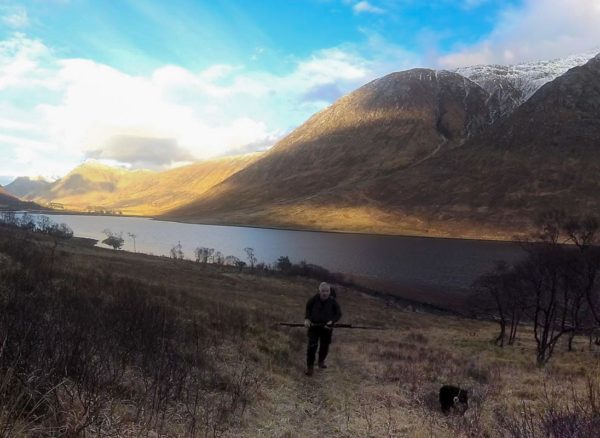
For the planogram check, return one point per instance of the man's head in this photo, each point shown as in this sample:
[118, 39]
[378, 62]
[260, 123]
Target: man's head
[324, 291]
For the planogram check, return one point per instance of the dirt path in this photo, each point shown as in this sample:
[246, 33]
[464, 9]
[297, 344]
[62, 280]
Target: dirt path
[321, 405]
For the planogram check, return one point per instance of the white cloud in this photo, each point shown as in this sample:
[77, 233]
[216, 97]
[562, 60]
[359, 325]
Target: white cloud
[101, 103]
[22, 142]
[14, 16]
[11, 125]
[332, 64]
[537, 30]
[24, 63]
[221, 110]
[366, 7]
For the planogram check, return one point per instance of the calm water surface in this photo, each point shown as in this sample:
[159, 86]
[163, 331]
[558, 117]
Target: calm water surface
[429, 262]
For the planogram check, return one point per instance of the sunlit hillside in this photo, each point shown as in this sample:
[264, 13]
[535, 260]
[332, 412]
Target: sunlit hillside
[98, 187]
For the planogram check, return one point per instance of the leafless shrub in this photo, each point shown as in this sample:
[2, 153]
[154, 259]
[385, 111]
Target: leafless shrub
[564, 412]
[555, 288]
[89, 352]
[203, 254]
[176, 252]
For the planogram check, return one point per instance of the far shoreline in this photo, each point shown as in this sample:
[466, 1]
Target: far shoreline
[362, 233]
[278, 228]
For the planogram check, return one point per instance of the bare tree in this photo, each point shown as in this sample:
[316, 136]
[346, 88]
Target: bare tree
[584, 233]
[555, 287]
[44, 224]
[113, 239]
[203, 254]
[218, 258]
[62, 231]
[177, 252]
[27, 222]
[133, 237]
[231, 260]
[250, 256]
[283, 264]
[544, 283]
[560, 278]
[501, 288]
[9, 218]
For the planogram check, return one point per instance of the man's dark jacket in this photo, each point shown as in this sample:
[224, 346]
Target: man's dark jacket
[321, 312]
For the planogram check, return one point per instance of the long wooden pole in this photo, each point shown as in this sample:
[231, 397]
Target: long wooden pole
[350, 326]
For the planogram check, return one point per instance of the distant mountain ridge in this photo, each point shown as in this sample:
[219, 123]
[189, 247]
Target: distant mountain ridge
[24, 187]
[93, 186]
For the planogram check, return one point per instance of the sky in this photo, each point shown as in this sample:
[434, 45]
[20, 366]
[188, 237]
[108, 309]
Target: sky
[157, 84]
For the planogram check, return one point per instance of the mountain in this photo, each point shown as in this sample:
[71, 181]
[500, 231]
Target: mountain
[95, 186]
[561, 114]
[511, 85]
[546, 154]
[25, 187]
[4, 193]
[162, 191]
[383, 127]
[10, 202]
[425, 152]
[404, 116]
[90, 184]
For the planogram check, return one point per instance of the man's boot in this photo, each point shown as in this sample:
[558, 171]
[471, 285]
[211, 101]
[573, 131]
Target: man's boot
[309, 371]
[322, 365]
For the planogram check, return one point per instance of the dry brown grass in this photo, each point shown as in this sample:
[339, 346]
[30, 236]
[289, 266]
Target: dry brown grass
[380, 383]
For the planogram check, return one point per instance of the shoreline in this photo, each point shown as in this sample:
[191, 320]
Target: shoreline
[281, 227]
[312, 230]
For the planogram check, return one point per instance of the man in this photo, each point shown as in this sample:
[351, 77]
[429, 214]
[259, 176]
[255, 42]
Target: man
[322, 311]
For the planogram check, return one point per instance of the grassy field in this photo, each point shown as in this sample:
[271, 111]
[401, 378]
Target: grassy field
[96, 342]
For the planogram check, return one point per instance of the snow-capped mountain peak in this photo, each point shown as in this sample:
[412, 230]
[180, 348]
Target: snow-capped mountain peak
[511, 85]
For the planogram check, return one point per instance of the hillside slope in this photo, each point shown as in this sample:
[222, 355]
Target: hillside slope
[26, 188]
[382, 128]
[546, 154]
[10, 202]
[93, 185]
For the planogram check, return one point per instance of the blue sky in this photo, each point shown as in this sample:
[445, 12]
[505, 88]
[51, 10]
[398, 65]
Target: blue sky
[160, 83]
[137, 36]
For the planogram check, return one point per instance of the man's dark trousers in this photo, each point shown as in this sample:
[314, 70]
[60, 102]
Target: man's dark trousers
[318, 337]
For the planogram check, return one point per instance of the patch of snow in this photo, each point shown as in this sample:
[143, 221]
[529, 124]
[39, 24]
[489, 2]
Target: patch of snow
[511, 85]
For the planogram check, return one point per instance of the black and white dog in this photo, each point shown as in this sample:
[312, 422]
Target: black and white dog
[454, 398]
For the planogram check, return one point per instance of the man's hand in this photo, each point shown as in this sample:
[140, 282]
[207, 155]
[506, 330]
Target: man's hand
[307, 323]
[329, 325]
